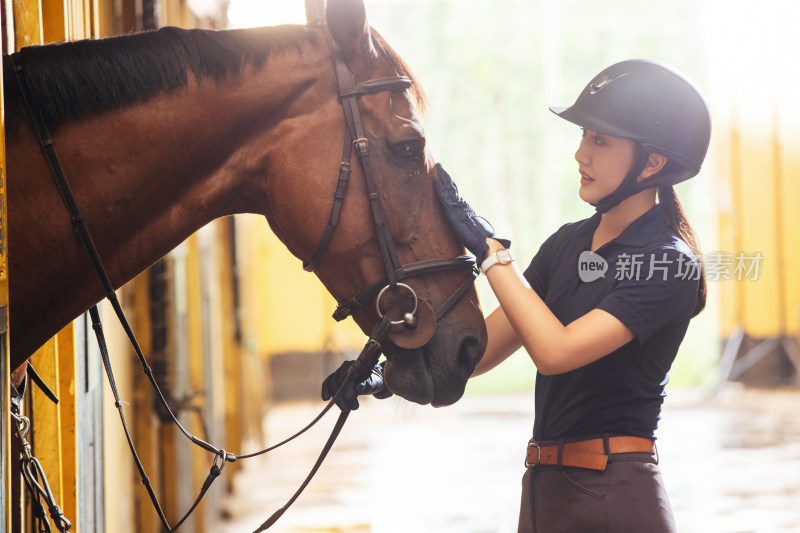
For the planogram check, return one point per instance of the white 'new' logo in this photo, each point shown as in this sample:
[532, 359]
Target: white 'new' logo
[591, 266]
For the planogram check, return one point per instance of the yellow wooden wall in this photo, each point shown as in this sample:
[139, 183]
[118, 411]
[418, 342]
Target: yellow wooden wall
[54, 437]
[284, 308]
[756, 131]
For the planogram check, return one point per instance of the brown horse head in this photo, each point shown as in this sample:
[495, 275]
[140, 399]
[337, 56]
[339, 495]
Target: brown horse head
[161, 133]
[434, 369]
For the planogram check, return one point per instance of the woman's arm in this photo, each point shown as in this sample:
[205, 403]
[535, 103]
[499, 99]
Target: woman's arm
[503, 341]
[553, 347]
[525, 319]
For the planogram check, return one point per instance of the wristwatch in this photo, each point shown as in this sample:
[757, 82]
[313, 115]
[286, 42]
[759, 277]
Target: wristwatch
[502, 257]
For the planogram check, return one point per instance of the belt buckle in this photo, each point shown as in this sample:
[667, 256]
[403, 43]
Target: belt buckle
[536, 445]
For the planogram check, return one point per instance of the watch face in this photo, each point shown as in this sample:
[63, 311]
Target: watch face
[504, 256]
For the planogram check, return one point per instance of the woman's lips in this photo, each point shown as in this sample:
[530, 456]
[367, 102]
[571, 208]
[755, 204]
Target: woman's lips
[586, 179]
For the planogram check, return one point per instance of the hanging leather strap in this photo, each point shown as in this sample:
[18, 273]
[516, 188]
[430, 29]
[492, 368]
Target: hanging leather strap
[338, 199]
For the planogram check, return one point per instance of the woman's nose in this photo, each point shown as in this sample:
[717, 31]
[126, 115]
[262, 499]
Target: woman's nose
[581, 154]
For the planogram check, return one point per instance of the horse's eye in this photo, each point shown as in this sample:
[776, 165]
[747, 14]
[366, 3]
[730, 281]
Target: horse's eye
[408, 151]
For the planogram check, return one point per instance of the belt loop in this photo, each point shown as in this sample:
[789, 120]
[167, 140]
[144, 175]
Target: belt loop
[606, 445]
[655, 448]
[560, 452]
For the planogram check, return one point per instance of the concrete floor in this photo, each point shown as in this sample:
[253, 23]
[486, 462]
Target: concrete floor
[731, 464]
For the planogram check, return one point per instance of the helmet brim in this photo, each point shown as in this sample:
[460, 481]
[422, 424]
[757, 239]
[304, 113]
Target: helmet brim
[591, 122]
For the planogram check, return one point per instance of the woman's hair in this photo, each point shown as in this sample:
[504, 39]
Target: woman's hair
[676, 217]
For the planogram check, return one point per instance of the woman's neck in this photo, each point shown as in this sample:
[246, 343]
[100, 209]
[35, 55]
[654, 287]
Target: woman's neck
[614, 221]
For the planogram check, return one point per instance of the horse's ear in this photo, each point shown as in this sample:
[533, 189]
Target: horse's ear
[314, 11]
[347, 21]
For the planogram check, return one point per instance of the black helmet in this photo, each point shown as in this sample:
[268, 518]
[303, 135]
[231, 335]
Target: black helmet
[654, 105]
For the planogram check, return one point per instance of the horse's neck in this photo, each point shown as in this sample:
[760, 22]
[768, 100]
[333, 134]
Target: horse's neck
[146, 178]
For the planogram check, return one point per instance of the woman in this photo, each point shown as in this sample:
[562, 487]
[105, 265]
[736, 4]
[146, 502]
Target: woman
[604, 304]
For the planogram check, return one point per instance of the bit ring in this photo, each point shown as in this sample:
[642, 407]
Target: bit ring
[406, 315]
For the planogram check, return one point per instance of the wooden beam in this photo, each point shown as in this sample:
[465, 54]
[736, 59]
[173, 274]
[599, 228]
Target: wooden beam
[27, 23]
[55, 24]
[196, 371]
[69, 422]
[145, 422]
[46, 418]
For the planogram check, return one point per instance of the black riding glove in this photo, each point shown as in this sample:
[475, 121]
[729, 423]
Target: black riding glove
[348, 400]
[470, 229]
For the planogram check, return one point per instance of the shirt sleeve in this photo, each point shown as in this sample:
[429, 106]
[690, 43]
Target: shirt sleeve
[538, 272]
[663, 290]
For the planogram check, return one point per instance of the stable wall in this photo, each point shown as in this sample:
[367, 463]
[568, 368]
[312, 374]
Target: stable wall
[756, 129]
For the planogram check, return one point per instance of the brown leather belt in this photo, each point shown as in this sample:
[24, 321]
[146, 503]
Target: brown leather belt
[591, 453]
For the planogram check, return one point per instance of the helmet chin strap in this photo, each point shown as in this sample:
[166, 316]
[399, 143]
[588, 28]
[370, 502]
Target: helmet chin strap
[629, 186]
[675, 171]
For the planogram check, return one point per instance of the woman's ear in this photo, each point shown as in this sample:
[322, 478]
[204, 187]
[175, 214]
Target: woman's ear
[655, 162]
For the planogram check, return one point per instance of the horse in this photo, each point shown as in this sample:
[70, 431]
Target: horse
[161, 132]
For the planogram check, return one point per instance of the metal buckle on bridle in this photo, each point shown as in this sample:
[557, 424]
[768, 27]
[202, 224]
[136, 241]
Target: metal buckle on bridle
[362, 147]
[409, 319]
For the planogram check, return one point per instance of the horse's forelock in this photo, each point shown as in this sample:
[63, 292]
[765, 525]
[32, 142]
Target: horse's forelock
[400, 67]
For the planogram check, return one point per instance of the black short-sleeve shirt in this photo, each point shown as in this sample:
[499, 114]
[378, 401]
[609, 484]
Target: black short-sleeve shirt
[648, 278]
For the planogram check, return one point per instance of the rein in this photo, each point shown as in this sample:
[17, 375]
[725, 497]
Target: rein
[355, 140]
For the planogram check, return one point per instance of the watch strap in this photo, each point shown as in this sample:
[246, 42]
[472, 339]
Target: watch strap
[493, 259]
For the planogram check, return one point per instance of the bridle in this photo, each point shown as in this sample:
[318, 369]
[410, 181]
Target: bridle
[355, 140]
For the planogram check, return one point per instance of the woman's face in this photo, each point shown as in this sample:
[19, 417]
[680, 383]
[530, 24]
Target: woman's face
[603, 162]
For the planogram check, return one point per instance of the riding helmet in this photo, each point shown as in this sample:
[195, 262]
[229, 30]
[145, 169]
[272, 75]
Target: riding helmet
[654, 105]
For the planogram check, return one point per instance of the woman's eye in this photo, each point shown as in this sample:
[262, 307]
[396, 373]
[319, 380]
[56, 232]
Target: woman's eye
[407, 151]
[594, 138]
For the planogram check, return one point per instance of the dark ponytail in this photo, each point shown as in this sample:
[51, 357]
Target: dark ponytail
[678, 221]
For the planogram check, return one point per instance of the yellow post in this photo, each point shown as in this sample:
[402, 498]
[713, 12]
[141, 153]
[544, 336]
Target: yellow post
[27, 23]
[196, 370]
[54, 435]
[55, 22]
[53, 425]
[69, 422]
[225, 314]
[145, 422]
[46, 417]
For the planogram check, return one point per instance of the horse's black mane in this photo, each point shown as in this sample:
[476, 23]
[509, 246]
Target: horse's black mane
[69, 80]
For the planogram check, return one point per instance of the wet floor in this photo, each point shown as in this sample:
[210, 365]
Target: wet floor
[731, 464]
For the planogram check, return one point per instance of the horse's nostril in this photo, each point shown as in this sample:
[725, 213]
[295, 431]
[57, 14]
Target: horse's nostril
[469, 353]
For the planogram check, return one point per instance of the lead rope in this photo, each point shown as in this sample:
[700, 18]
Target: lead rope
[369, 354]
